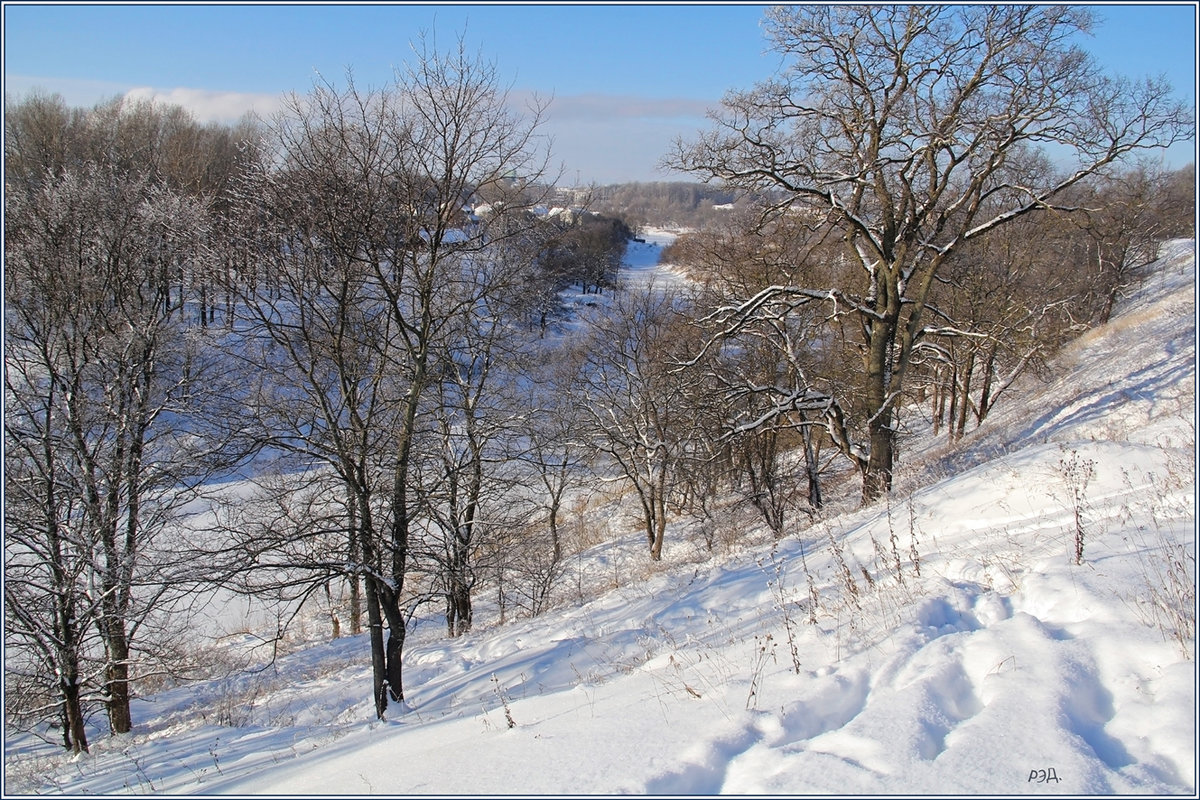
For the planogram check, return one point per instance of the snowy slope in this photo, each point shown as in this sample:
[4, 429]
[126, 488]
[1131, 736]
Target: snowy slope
[944, 642]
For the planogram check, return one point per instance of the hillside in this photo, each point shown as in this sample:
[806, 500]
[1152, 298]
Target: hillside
[944, 642]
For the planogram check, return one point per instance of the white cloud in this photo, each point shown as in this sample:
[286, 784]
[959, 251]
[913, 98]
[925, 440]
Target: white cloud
[208, 105]
[74, 92]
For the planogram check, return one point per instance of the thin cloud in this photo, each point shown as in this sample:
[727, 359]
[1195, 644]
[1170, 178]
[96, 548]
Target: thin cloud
[605, 107]
[615, 138]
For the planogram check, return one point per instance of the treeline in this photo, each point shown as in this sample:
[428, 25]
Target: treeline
[351, 308]
[668, 204]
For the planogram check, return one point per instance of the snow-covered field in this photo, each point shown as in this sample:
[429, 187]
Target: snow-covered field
[944, 642]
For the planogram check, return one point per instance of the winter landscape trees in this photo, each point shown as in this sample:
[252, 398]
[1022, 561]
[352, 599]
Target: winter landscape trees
[911, 131]
[113, 402]
[355, 314]
[644, 410]
[373, 301]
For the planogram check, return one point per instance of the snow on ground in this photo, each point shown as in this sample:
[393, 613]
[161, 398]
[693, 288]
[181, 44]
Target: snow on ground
[942, 642]
[643, 264]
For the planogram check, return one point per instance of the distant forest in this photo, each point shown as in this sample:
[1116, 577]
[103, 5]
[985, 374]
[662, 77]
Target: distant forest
[670, 204]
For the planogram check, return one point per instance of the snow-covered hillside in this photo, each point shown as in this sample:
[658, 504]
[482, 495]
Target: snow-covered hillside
[943, 642]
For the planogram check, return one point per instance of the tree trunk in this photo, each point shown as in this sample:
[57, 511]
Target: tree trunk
[116, 679]
[985, 395]
[378, 654]
[881, 384]
[395, 653]
[811, 471]
[555, 537]
[375, 593]
[355, 605]
[659, 529]
[959, 426]
[877, 478]
[458, 607]
[938, 409]
[76, 734]
[334, 620]
[952, 390]
[112, 630]
[390, 598]
[355, 547]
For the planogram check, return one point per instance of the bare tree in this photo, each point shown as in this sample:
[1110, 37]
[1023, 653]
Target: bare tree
[913, 130]
[1008, 300]
[1124, 221]
[1006, 303]
[468, 482]
[51, 663]
[645, 409]
[317, 333]
[775, 369]
[555, 451]
[372, 261]
[113, 413]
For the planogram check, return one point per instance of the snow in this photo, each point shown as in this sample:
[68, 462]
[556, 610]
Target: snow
[643, 266]
[1003, 667]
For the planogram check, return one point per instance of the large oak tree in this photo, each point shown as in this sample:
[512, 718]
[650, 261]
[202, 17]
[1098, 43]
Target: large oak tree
[913, 129]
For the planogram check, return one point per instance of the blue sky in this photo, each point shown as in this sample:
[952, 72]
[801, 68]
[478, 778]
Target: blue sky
[627, 79]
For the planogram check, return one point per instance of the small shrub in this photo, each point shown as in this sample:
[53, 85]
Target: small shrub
[1077, 473]
[503, 695]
